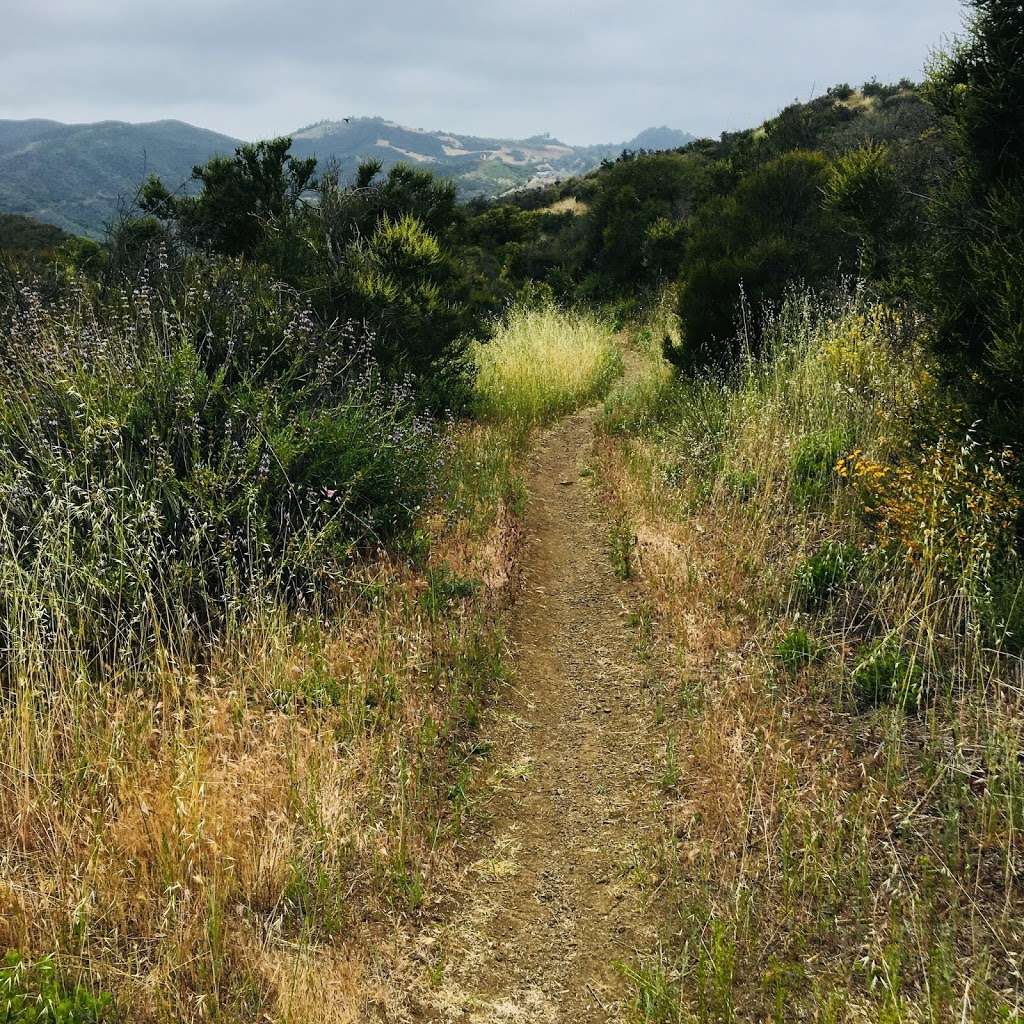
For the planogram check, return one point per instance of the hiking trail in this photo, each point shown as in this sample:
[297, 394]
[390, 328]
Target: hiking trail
[552, 904]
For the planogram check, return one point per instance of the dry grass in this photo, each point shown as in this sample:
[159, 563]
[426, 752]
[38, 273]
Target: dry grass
[249, 837]
[825, 857]
[570, 204]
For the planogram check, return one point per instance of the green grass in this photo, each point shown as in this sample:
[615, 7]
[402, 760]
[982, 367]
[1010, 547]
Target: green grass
[36, 993]
[797, 649]
[544, 362]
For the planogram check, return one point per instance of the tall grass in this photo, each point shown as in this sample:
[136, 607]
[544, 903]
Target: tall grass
[543, 362]
[248, 613]
[176, 451]
[834, 562]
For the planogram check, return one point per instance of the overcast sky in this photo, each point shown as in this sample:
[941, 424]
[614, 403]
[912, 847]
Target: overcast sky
[587, 71]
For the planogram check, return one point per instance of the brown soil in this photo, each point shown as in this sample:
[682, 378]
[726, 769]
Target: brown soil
[553, 905]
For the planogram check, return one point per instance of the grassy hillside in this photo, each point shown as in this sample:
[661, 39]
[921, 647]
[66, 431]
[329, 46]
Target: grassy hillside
[829, 593]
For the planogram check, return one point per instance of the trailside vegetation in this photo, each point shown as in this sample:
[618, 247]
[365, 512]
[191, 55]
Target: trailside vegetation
[260, 494]
[824, 508]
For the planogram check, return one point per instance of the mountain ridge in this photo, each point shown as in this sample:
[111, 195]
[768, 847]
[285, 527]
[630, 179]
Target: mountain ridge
[79, 176]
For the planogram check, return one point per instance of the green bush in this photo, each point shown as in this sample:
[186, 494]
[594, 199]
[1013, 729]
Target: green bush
[197, 445]
[813, 465]
[884, 674]
[796, 650]
[242, 197]
[401, 280]
[33, 993]
[973, 262]
[742, 483]
[380, 250]
[867, 195]
[753, 242]
[825, 573]
[632, 230]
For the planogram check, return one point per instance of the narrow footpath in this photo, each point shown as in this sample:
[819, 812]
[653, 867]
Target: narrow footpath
[552, 906]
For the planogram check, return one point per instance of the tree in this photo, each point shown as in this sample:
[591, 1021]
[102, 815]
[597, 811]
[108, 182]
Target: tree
[773, 228]
[381, 250]
[864, 192]
[974, 262]
[633, 196]
[241, 197]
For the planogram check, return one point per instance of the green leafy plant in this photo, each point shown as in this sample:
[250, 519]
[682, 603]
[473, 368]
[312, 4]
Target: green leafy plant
[885, 674]
[813, 464]
[797, 649]
[33, 992]
[825, 573]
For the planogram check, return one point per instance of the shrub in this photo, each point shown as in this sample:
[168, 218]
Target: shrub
[843, 91]
[884, 674]
[242, 195]
[865, 192]
[742, 483]
[379, 250]
[825, 573]
[797, 650]
[754, 241]
[34, 993]
[633, 231]
[973, 262]
[813, 465]
[195, 450]
[400, 280]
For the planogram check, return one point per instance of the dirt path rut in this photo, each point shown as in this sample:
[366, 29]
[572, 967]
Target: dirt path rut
[553, 904]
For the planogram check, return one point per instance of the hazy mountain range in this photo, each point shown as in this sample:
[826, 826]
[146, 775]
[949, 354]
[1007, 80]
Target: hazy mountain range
[77, 176]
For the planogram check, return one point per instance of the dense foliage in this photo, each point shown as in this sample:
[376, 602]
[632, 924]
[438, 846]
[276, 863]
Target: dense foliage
[198, 440]
[19, 234]
[918, 190]
[974, 252]
[748, 213]
[382, 249]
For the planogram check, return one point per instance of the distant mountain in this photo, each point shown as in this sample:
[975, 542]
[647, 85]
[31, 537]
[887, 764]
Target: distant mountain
[660, 138]
[78, 175]
[481, 166]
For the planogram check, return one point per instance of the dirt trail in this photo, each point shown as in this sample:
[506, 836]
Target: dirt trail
[553, 903]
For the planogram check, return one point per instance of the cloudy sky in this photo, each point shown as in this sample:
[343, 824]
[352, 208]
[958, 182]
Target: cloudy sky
[587, 71]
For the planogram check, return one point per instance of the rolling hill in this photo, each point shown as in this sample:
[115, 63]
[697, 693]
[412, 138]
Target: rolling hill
[78, 176]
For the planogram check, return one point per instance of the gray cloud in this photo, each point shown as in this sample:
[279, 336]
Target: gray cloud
[596, 71]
